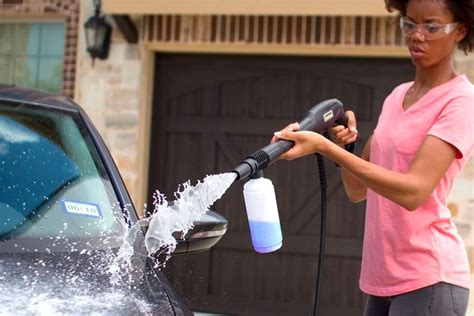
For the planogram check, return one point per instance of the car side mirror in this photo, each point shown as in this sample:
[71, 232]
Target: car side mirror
[206, 232]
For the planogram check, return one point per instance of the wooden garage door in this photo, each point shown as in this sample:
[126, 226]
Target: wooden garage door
[209, 112]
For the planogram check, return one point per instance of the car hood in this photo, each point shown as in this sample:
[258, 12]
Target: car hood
[80, 283]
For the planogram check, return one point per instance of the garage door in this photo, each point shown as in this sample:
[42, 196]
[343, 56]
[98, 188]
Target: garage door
[209, 112]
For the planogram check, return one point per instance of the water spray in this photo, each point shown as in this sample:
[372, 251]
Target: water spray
[259, 193]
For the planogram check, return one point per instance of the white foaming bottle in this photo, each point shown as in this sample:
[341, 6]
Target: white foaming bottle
[262, 213]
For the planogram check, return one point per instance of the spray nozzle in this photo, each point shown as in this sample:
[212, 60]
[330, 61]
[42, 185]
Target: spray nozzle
[259, 160]
[319, 118]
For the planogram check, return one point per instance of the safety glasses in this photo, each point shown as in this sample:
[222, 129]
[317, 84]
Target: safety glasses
[430, 31]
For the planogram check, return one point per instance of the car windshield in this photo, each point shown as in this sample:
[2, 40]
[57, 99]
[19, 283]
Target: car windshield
[61, 223]
[52, 182]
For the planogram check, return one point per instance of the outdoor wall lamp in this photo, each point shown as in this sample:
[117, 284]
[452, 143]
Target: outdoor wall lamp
[98, 32]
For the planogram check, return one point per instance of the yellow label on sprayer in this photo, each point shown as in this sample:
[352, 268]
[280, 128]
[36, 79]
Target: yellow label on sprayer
[328, 115]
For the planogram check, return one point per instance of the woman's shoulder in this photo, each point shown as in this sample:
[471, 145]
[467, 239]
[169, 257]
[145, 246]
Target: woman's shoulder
[465, 87]
[460, 99]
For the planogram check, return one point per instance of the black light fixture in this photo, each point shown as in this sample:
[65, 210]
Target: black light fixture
[98, 33]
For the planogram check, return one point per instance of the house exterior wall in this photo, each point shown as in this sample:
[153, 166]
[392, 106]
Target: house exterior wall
[261, 7]
[109, 92]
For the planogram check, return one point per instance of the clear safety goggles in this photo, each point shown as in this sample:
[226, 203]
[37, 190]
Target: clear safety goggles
[430, 31]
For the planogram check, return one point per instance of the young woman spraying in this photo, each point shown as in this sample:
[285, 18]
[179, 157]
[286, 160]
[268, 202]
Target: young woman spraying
[414, 262]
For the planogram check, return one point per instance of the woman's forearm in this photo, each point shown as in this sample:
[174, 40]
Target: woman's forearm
[395, 186]
[409, 189]
[355, 190]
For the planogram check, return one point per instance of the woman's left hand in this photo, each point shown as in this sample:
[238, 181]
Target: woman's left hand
[306, 142]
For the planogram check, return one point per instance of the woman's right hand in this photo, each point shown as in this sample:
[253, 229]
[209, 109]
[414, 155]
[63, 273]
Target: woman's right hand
[342, 135]
[293, 127]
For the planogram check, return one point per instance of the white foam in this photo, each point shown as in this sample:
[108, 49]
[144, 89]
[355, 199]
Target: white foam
[169, 218]
[178, 217]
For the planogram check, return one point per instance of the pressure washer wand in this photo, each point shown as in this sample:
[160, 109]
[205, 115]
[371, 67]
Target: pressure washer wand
[259, 193]
[320, 117]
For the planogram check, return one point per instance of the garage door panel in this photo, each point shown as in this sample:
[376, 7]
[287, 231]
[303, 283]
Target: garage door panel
[255, 97]
[186, 104]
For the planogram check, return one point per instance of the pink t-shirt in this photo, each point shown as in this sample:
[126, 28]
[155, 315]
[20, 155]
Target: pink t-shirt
[404, 251]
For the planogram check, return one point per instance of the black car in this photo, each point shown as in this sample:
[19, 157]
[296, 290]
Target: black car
[64, 214]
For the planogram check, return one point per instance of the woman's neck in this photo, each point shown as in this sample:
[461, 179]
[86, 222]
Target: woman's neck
[427, 78]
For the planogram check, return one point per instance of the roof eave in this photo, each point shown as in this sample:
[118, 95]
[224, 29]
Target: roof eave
[248, 7]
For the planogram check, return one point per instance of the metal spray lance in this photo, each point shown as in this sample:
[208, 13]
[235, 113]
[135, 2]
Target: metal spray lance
[259, 193]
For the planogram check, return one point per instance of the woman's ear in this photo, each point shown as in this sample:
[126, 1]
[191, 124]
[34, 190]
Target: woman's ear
[461, 32]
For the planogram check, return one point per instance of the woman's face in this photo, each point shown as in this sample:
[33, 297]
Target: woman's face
[426, 51]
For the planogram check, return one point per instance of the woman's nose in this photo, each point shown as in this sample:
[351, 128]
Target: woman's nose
[417, 35]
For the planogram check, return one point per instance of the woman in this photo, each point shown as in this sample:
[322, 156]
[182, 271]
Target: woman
[414, 262]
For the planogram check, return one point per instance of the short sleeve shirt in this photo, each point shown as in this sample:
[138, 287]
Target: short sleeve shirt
[404, 251]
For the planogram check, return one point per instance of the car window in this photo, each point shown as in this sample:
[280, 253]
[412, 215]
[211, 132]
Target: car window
[52, 180]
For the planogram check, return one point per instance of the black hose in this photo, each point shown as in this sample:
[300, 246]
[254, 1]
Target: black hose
[322, 237]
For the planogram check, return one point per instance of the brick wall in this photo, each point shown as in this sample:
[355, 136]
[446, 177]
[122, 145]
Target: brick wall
[70, 9]
[109, 92]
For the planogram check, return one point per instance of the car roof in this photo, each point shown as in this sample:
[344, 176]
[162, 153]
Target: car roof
[38, 97]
